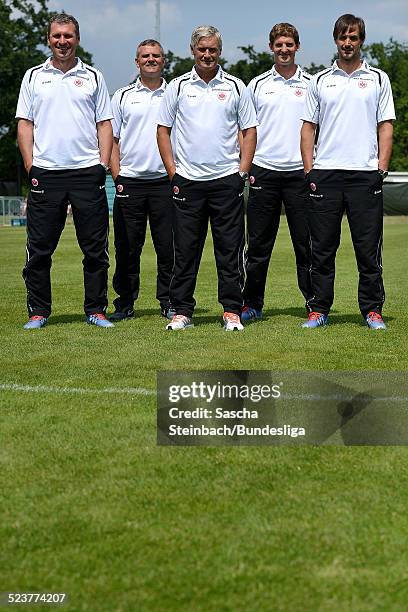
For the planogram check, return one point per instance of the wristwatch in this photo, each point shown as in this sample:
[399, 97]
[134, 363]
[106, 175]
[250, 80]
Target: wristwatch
[383, 173]
[105, 166]
[243, 175]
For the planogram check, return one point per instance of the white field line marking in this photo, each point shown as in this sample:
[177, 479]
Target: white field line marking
[75, 390]
[142, 391]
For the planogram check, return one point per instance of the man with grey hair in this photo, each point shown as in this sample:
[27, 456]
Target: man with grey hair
[65, 138]
[142, 185]
[206, 108]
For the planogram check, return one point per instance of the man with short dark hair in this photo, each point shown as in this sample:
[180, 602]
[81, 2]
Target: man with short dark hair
[142, 185]
[276, 175]
[206, 108]
[352, 104]
[65, 138]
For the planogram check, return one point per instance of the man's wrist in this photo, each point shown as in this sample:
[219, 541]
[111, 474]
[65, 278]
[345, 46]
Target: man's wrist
[106, 166]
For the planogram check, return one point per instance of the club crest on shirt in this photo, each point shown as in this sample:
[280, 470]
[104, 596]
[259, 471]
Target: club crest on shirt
[222, 95]
[251, 180]
[119, 188]
[78, 82]
[176, 190]
[34, 182]
[313, 186]
[298, 92]
[362, 84]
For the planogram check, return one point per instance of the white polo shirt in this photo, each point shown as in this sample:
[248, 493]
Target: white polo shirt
[279, 106]
[64, 108]
[348, 109]
[206, 118]
[135, 110]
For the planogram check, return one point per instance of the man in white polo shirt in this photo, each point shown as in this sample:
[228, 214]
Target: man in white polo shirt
[206, 108]
[277, 171]
[142, 185]
[352, 104]
[65, 138]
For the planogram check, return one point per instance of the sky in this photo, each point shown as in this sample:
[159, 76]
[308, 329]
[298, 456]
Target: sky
[112, 30]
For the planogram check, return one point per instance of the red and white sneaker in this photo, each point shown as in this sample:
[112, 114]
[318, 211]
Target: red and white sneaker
[232, 322]
[180, 322]
[375, 321]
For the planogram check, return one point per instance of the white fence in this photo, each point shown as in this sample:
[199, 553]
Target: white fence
[12, 210]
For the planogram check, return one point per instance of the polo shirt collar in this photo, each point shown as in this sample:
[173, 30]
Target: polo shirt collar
[296, 77]
[139, 85]
[219, 76]
[79, 66]
[363, 68]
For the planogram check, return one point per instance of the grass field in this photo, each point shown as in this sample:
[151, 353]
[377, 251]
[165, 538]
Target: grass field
[92, 507]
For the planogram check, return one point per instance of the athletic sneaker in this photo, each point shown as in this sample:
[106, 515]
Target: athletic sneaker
[250, 314]
[232, 322]
[180, 322]
[36, 322]
[99, 319]
[375, 321]
[316, 319]
[121, 315]
[167, 313]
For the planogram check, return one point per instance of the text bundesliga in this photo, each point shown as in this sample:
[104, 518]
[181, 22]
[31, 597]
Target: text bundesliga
[236, 430]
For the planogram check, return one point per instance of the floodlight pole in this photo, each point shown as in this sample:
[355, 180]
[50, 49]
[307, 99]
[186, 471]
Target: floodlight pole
[157, 28]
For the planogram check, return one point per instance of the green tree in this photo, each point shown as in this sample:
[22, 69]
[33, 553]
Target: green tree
[253, 65]
[314, 68]
[22, 45]
[392, 57]
[175, 66]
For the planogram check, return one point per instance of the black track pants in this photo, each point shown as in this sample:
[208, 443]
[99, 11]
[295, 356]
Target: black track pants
[359, 194]
[51, 192]
[137, 201]
[220, 201]
[268, 189]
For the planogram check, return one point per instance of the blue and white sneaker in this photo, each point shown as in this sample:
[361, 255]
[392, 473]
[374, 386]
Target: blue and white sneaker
[98, 319]
[316, 319]
[375, 321]
[250, 314]
[36, 322]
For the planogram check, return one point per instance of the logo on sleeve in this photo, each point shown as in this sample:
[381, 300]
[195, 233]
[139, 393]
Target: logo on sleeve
[34, 182]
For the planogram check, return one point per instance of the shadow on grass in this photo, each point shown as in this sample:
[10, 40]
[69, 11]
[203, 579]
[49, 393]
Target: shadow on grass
[357, 319]
[74, 318]
[154, 312]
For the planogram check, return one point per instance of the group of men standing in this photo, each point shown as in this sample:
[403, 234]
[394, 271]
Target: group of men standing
[213, 135]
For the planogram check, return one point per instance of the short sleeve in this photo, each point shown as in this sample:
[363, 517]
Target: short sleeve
[168, 106]
[103, 110]
[25, 99]
[311, 109]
